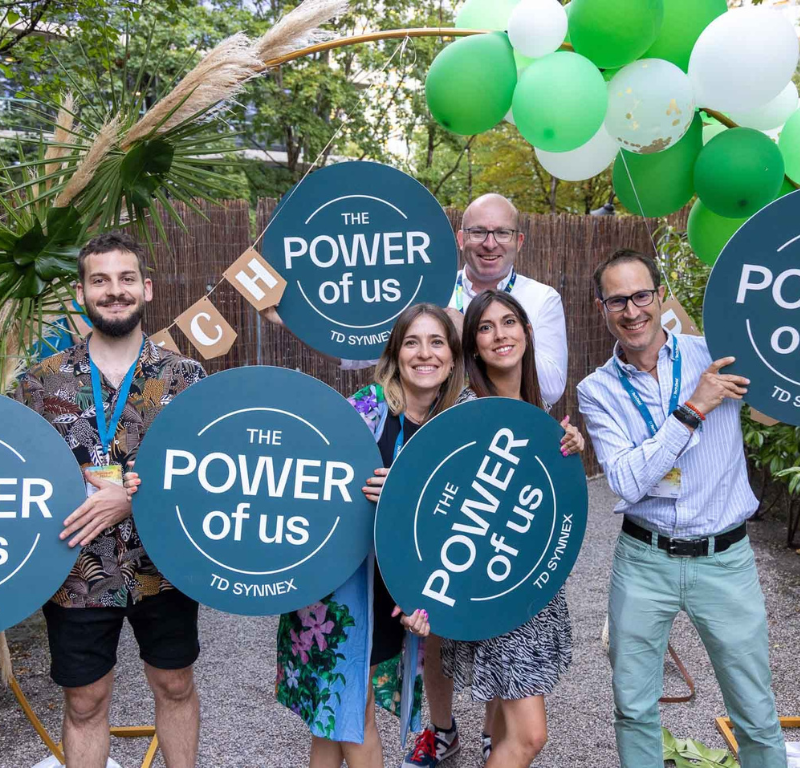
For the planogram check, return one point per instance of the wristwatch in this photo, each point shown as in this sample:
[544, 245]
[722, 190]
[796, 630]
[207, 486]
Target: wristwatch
[687, 417]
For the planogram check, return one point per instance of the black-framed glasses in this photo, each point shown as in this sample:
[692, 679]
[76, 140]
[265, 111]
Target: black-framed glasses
[639, 299]
[479, 234]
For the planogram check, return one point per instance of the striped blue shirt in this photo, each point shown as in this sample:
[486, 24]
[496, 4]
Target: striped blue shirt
[715, 492]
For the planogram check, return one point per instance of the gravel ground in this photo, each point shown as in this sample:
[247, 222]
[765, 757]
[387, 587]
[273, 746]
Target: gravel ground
[243, 727]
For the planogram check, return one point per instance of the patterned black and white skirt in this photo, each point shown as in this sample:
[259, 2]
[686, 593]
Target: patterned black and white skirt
[522, 663]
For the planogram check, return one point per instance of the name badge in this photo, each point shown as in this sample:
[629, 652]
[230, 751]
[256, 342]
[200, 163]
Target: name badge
[669, 487]
[112, 473]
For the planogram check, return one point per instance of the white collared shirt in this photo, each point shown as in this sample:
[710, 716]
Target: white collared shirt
[546, 315]
[715, 492]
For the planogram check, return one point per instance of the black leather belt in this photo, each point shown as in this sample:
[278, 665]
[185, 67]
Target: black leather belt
[685, 547]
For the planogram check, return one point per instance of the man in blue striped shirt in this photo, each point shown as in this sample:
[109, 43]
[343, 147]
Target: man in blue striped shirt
[664, 422]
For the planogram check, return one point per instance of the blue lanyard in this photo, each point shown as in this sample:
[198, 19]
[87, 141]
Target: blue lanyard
[107, 431]
[460, 288]
[398, 444]
[637, 398]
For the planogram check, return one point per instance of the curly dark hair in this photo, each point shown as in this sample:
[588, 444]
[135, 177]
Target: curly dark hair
[111, 241]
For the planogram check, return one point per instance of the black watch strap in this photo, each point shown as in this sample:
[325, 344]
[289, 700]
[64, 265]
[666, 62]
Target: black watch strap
[685, 416]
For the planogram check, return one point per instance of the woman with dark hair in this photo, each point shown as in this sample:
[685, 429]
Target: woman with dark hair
[518, 669]
[355, 636]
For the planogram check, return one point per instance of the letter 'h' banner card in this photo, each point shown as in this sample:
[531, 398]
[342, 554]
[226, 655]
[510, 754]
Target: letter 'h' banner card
[751, 309]
[41, 484]
[481, 518]
[251, 500]
[357, 243]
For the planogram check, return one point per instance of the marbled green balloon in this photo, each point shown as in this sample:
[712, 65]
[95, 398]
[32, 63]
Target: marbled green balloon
[613, 33]
[471, 83]
[738, 172]
[663, 181]
[684, 20]
[560, 102]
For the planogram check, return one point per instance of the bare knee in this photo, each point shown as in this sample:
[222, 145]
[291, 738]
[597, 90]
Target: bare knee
[87, 704]
[533, 743]
[173, 685]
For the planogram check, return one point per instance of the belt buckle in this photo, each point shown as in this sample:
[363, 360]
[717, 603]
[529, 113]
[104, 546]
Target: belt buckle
[685, 547]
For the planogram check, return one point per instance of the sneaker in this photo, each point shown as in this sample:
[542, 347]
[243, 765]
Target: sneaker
[432, 746]
[486, 746]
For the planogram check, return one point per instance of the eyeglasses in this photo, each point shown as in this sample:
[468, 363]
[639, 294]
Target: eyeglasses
[479, 234]
[639, 299]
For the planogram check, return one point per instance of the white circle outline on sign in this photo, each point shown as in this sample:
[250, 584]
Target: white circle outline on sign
[763, 359]
[374, 325]
[254, 573]
[238, 570]
[15, 452]
[349, 197]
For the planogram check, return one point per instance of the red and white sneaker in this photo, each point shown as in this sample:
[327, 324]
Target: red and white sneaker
[432, 747]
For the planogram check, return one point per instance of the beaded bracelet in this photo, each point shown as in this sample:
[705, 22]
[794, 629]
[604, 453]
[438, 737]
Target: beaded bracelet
[694, 408]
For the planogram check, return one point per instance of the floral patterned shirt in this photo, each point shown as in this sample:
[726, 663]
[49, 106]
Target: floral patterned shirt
[114, 567]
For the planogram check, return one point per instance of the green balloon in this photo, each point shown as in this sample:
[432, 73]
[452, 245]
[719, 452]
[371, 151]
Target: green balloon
[663, 181]
[738, 172]
[560, 102]
[471, 83]
[709, 233]
[789, 144]
[684, 20]
[613, 33]
[608, 74]
[485, 14]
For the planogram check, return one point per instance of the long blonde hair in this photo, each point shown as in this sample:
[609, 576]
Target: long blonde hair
[387, 374]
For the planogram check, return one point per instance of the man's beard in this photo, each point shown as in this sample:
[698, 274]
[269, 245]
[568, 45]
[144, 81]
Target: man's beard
[116, 329]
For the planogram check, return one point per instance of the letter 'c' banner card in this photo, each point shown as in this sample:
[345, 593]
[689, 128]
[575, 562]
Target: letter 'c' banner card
[41, 484]
[357, 243]
[251, 500]
[751, 309]
[481, 518]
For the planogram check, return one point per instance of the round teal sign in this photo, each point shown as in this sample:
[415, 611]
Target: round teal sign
[358, 242]
[751, 309]
[41, 485]
[251, 498]
[481, 518]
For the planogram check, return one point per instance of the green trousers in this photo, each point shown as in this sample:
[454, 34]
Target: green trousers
[722, 596]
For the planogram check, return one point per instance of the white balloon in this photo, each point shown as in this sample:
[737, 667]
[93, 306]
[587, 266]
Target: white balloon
[581, 163]
[537, 27]
[650, 106]
[743, 59]
[771, 115]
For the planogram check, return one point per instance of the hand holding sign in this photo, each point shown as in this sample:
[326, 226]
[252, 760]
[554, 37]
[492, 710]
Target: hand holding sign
[481, 518]
[105, 508]
[714, 386]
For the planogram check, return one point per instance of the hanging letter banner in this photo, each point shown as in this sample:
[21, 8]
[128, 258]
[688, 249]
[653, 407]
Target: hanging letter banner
[256, 280]
[41, 485]
[207, 329]
[481, 518]
[751, 309]
[251, 497]
[357, 243]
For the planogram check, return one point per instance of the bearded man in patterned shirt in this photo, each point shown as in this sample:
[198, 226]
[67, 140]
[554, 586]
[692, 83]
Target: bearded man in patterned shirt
[127, 379]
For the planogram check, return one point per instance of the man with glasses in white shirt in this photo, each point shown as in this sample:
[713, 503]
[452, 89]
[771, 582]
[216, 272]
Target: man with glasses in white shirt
[665, 425]
[490, 241]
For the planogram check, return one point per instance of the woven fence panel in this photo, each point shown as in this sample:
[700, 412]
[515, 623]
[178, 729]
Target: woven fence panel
[561, 251]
